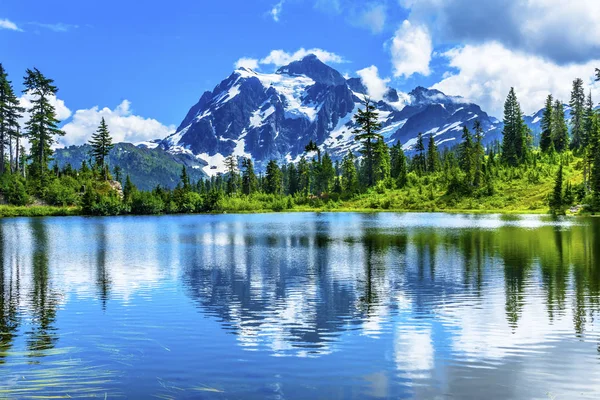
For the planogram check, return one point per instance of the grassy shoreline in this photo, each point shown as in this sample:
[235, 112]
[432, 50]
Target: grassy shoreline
[49, 211]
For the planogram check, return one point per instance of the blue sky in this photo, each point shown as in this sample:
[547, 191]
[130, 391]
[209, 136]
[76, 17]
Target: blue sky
[145, 66]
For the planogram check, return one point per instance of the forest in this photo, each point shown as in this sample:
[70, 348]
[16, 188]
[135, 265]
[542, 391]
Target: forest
[557, 172]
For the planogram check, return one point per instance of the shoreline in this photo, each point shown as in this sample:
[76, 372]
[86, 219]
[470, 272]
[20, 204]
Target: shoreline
[56, 211]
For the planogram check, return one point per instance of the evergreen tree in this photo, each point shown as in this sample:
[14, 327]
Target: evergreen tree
[368, 126]
[325, 176]
[312, 146]
[184, 180]
[546, 138]
[293, 183]
[117, 171]
[478, 154]
[515, 132]
[465, 160]
[101, 144]
[560, 131]
[595, 150]
[128, 189]
[577, 114]
[304, 177]
[42, 126]
[231, 164]
[419, 163]
[433, 158]
[398, 165]
[349, 175]
[588, 139]
[10, 112]
[381, 161]
[249, 180]
[556, 201]
[273, 183]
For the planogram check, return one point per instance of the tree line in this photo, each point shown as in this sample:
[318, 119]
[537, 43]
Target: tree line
[467, 170]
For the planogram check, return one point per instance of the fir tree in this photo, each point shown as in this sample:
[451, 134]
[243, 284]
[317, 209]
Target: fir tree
[249, 180]
[231, 164]
[10, 112]
[128, 189]
[398, 165]
[560, 131]
[478, 154]
[419, 163]
[325, 176]
[184, 180]
[546, 139]
[577, 114]
[515, 140]
[349, 175]
[465, 160]
[42, 126]
[117, 170]
[101, 144]
[433, 158]
[293, 183]
[312, 146]
[381, 161]
[273, 183]
[304, 177]
[556, 201]
[368, 126]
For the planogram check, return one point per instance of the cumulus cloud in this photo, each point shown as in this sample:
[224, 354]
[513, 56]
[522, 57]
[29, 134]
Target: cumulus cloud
[564, 32]
[62, 111]
[11, 26]
[244, 62]
[276, 11]
[281, 57]
[373, 18]
[376, 86]
[486, 72]
[411, 50]
[124, 126]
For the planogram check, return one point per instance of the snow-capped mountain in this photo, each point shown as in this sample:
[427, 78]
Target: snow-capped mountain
[266, 116]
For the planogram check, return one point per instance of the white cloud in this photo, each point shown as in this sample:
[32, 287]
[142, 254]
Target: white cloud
[564, 32]
[281, 57]
[57, 27]
[486, 73]
[373, 18]
[376, 86]
[411, 50]
[62, 111]
[123, 125]
[276, 11]
[244, 62]
[7, 24]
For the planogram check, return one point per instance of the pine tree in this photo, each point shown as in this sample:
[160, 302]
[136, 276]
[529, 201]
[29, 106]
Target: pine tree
[231, 164]
[101, 144]
[478, 154]
[398, 165]
[42, 126]
[465, 160]
[515, 132]
[419, 163]
[588, 139]
[560, 131]
[304, 177]
[184, 180]
[368, 126]
[546, 140]
[117, 170]
[273, 184]
[577, 115]
[433, 157]
[10, 112]
[249, 180]
[349, 175]
[128, 189]
[325, 176]
[595, 150]
[293, 182]
[312, 146]
[556, 201]
[381, 161]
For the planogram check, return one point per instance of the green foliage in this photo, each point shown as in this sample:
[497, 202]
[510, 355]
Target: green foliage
[14, 191]
[366, 132]
[515, 132]
[146, 203]
[101, 144]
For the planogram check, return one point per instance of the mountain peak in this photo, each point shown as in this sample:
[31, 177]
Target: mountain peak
[422, 95]
[315, 69]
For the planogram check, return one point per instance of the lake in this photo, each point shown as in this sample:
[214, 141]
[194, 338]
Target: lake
[300, 306]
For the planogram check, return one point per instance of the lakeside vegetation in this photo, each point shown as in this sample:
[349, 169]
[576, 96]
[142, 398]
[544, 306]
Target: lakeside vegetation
[511, 176]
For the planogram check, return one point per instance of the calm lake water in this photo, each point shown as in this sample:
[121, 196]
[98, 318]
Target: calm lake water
[300, 306]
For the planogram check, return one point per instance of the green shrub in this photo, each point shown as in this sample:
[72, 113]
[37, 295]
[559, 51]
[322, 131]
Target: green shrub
[15, 192]
[145, 203]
